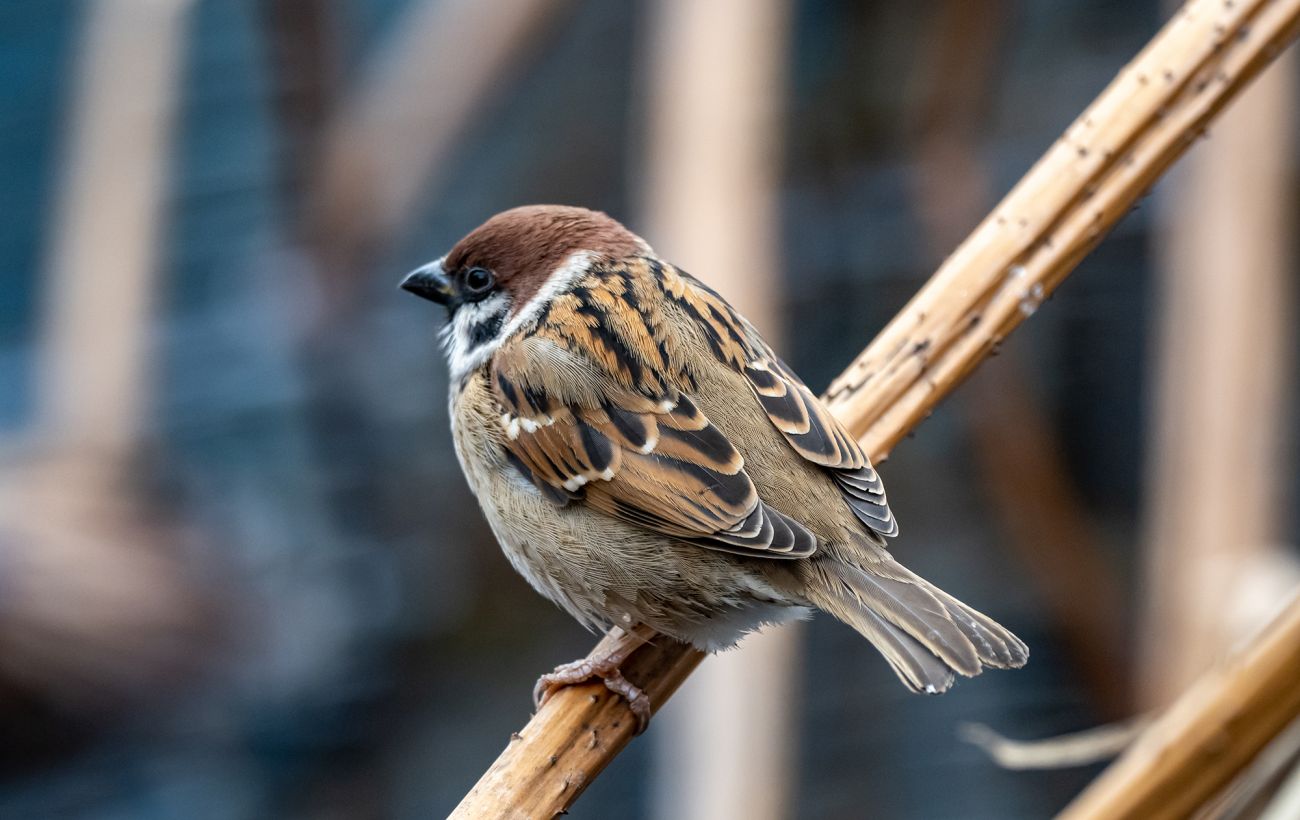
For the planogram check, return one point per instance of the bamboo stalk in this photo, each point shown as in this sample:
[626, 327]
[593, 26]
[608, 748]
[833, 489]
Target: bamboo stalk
[998, 277]
[95, 603]
[1210, 733]
[1223, 367]
[549, 763]
[1153, 110]
[716, 75]
[103, 266]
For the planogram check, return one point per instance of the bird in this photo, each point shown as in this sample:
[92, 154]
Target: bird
[651, 466]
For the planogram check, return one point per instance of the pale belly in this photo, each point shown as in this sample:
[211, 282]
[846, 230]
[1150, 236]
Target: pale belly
[604, 571]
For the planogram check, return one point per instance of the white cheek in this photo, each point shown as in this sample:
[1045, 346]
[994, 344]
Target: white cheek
[464, 353]
[464, 357]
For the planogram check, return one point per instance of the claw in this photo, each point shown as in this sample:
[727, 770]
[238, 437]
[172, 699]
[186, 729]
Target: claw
[566, 674]
[603, 664]
[637, 701]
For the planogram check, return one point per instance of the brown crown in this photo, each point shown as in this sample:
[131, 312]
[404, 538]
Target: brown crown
[523, 246]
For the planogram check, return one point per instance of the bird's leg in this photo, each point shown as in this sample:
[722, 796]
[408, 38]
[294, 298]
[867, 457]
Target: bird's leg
[603, 662]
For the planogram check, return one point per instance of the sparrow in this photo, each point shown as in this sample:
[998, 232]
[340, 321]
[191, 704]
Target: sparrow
[651, 466]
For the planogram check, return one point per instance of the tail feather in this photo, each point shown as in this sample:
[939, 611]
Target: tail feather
[998, 647]
[924, 633]
[918, 668]
[915, 610]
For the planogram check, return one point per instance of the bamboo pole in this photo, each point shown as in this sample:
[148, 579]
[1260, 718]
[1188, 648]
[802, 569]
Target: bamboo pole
[103, 266]
[1210, 733]
[95, 603]
[1224, 359]
[390, 138]
[715, 76]
[1141, 123]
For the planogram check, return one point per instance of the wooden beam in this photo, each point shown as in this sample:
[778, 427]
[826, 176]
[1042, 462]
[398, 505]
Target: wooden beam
[97, 606]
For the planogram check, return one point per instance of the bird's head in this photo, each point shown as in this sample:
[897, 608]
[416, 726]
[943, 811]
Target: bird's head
[505, 271]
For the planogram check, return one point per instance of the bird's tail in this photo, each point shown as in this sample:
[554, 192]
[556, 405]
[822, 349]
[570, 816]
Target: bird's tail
[924, 633]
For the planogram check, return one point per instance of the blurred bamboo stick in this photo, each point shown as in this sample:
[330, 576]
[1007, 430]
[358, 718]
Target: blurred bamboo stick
[715, 89]
[1041, 512]
[95, 603]
[108, 225]
[396, 130]
[999, 276]
[1081, 748]
[1224, 362]
[1286, 803]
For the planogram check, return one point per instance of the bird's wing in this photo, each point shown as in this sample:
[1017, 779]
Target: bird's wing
[592, 415]
[793, 409]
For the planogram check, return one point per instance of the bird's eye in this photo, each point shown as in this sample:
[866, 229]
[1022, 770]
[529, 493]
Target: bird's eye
[479, 281]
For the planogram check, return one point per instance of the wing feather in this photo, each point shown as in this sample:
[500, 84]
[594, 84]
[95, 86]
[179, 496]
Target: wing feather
[652, 460]
[793, 409]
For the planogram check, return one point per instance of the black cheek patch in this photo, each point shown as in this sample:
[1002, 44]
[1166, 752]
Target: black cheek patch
[486, 330]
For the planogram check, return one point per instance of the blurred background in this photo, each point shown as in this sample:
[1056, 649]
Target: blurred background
[240, 573]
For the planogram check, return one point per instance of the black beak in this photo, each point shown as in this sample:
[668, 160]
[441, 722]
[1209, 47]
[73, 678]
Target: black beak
[429, 282]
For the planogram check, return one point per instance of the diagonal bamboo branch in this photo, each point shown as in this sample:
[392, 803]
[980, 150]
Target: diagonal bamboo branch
[1148, 116]
[1209, 734]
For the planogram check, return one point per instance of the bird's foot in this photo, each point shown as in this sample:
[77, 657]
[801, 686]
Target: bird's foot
[603, 663]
